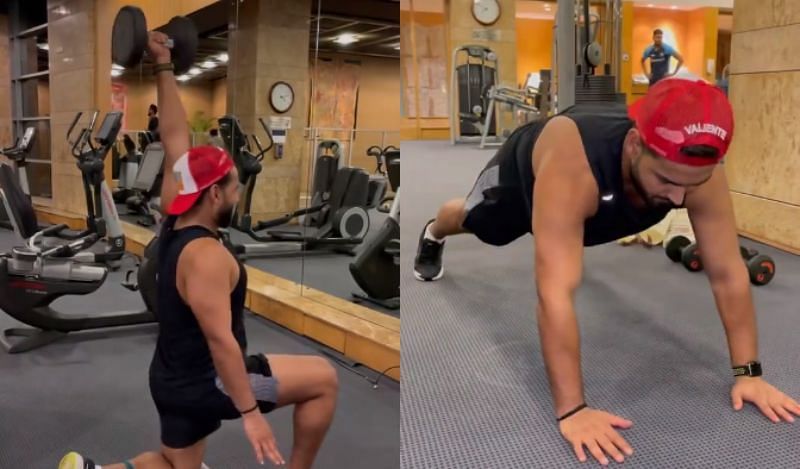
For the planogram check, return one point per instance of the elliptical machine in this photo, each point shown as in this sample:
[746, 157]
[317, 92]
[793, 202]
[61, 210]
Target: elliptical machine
[146, 199]
[377, 268]
[102, 218]
[129, 167]
[32, 278]
[336, 219]
[17, 154]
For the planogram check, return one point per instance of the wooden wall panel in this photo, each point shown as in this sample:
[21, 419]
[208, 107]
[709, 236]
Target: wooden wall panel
[764, 159]
[765, 50]
[768, 221]
[759, 14]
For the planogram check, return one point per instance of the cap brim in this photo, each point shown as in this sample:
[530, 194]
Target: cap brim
[183, 203]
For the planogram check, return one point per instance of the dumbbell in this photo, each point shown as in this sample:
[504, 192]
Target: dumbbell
[129, 38]
[760, 266]
[682, 249]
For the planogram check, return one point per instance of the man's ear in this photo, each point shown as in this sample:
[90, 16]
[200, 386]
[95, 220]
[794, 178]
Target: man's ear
[633, 142]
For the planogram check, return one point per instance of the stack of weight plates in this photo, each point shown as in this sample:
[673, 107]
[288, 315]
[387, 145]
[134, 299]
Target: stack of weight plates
[597, 89]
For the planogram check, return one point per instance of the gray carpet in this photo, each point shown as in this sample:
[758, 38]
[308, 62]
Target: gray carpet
[475, 392]
[89, 392]
[328, 272]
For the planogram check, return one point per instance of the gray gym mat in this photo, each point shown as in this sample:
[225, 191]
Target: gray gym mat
[475, 392]
[88, 392]
[328, 272]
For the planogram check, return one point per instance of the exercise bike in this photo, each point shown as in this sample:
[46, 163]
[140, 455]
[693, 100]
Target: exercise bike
[33, 277]
[17, 155]
[376, 269]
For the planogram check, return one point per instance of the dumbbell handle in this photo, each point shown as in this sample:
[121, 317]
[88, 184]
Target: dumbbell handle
[748, 253]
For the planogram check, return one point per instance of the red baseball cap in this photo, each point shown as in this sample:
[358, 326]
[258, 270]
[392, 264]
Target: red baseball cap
[677, 113]
[198, 169]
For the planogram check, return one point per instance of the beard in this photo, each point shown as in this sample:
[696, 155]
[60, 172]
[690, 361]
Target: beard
[650, 201]
[224, 218]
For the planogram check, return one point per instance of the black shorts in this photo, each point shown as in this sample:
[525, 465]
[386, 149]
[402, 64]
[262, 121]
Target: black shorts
[188, 415]
[497, 211]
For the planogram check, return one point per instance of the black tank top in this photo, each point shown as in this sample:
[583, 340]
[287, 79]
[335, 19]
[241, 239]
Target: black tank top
[602, 128]
[182, 356]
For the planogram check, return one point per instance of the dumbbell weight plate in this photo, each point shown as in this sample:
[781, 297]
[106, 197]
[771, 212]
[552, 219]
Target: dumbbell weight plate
[128, 37]
[183, 33]
[674, 247]
[761, 269]
[691, 258]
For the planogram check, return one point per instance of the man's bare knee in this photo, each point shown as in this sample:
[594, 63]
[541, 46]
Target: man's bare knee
[328, 378]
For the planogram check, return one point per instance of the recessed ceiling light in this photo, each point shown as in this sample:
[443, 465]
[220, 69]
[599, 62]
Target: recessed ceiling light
[116, 73]
[43, 46]
[208, 64]
[194, 71]
[223, 57]
[346, 38]
[184, 78]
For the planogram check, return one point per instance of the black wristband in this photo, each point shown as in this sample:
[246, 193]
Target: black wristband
[163, 67]
[572, 412]
[250, 410]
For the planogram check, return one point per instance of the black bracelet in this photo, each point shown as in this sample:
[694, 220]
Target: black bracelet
[248, 411]
[572, 412]
[163, 67]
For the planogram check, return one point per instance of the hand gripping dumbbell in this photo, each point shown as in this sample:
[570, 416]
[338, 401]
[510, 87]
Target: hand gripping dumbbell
[129, 37]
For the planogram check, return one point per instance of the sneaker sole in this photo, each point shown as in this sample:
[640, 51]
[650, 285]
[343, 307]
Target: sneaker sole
[423, 279]
[71, 461]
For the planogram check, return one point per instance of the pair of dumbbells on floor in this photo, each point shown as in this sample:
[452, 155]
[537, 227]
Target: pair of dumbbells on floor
[760, 266]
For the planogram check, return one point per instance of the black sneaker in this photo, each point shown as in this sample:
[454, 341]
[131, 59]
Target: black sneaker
[428, 263]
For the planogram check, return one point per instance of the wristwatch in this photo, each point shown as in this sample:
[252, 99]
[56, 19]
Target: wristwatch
[748, 369]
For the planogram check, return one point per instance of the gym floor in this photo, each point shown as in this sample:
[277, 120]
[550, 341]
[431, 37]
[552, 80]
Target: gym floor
[327, 272]
[475, 390]
[89, 392]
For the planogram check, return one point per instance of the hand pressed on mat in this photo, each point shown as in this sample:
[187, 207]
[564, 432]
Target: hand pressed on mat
[595, 429]
[770, 400]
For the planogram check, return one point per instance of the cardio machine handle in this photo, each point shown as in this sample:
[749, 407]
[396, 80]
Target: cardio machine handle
[261, 149]
[74, 122]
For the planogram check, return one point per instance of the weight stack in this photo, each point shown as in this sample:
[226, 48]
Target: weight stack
[597, 89]
[473, 81]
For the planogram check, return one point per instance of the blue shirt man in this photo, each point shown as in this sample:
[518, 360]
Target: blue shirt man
[659, 55]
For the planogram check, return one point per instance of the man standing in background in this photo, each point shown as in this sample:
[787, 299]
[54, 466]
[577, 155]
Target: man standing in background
[152, 122]
[659, 55]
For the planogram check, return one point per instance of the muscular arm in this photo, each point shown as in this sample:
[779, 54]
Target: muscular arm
[679, 58]
[174, 131]
[206, 288]
[564, 195]
[711, 213]
[644, 66]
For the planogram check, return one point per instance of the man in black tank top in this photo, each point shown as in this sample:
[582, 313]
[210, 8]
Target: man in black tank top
[201, 372]
[594, 174]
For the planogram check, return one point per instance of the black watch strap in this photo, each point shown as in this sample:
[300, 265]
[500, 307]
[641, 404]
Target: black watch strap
[752, 369]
